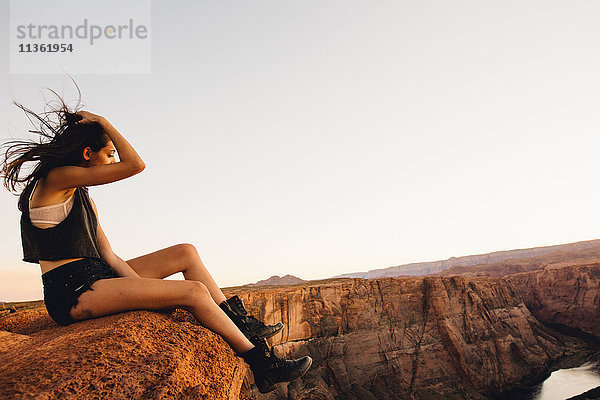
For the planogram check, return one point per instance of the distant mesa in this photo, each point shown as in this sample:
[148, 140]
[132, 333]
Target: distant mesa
[471, 265]
[277, 280]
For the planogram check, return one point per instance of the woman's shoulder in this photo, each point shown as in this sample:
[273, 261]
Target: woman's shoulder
[42, 193]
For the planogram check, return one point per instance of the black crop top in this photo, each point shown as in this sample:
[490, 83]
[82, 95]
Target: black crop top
[74, 237]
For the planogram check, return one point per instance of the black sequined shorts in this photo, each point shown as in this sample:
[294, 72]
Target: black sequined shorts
[64, 284]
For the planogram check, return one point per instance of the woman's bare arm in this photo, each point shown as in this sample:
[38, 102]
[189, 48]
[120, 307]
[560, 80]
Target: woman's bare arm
[117, 263]
[107, 253]
[130, 163]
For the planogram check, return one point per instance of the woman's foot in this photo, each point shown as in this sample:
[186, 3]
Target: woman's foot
[247, 323]
[268, 369]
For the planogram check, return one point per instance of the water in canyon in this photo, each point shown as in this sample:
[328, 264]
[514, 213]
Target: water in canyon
[561, 384]
[565, 383]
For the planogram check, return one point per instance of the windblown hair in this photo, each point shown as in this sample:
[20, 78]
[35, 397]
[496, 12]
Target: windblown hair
[61, 142]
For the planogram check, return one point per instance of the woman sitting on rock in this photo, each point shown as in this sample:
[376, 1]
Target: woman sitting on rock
[83, 278]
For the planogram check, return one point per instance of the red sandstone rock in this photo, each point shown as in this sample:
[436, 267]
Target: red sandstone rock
[133, 355]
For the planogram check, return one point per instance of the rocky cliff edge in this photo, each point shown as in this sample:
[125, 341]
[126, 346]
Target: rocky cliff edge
[133, 355]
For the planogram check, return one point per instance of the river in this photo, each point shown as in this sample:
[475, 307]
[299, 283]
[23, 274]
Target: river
[565, 383]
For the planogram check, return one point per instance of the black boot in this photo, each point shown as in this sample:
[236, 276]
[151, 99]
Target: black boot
[250, 326]
[268, 369]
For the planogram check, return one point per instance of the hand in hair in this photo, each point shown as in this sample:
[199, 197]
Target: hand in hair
[87, 117]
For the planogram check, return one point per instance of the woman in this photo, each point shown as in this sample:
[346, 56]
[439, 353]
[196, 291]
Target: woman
[83, 278]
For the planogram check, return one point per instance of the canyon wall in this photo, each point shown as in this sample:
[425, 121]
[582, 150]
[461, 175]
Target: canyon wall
[406, 338]
[565, 295]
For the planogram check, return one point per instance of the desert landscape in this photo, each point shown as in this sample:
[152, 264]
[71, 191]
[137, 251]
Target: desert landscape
[483, 330]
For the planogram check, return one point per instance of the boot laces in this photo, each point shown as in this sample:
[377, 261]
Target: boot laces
[277, 362]
[251, 319]
[270, 354]
[240, 305]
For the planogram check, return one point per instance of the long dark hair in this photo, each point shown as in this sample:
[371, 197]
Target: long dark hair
[61, 142]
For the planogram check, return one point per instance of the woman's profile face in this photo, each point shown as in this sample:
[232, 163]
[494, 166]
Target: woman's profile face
[104, 156]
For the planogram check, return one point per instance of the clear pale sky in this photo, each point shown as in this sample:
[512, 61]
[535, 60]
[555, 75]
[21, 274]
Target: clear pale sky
[318, 138]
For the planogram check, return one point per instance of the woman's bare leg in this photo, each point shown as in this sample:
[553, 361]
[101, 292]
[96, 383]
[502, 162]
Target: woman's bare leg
[179, 258]
[110, 296]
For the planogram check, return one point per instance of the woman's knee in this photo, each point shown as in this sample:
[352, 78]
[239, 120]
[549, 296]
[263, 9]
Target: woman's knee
[198, 293]
[187, 251]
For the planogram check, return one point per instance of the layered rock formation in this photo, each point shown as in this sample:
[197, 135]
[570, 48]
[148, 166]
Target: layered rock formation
[133, 355]
[568, 296]
[435, 267]
[407, 338]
